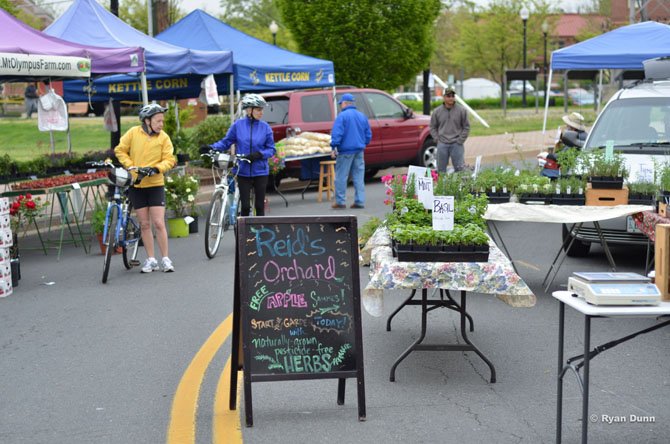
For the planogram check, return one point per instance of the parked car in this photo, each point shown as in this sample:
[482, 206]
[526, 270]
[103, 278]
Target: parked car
[418, 97]
[580, 96]
[399, 137]
[637, 120]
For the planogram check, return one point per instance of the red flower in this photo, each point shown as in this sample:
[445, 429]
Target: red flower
[29, 196]
[16, 205]
[21, 197]
[13, 211]
[30, 204]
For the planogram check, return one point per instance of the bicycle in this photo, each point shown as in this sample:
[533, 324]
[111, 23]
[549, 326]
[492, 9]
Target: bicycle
[121, 230]
[224, 206]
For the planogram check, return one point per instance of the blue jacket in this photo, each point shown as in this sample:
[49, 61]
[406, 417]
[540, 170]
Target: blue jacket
[249, 136]
[351, 131]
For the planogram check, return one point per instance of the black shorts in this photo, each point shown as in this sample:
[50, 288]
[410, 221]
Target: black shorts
[147, 197]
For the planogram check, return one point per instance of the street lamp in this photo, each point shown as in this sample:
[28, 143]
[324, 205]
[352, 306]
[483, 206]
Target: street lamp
[545, 30]
[273, 29]
[524, 14]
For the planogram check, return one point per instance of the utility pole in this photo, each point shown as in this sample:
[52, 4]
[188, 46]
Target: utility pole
[115, 137]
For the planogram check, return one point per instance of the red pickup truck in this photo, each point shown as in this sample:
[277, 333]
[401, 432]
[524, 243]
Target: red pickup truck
[399, 137]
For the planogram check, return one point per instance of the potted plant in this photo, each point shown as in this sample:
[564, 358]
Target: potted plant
[180, 194]
[606, 172]
[98, 216]
[641, 193]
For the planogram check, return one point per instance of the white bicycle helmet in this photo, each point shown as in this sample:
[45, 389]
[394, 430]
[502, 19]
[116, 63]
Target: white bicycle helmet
[253, 101]
[149, 110]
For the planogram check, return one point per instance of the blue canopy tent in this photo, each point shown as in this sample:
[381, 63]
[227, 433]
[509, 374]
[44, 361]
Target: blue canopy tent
[87, 22]
[623, 48]
[258, 66]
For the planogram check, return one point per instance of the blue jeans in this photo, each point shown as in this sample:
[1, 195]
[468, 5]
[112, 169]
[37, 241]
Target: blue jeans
[454, 150]
[353, 164]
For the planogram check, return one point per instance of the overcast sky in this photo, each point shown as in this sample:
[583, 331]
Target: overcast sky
[212, 6]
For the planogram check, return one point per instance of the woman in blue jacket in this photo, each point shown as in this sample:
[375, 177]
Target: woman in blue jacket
[254, 142]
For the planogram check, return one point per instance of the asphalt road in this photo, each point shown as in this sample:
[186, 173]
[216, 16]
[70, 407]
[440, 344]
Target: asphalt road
[83, 362]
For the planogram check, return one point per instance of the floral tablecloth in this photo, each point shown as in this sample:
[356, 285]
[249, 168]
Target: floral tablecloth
[493, 277]
[646, 222]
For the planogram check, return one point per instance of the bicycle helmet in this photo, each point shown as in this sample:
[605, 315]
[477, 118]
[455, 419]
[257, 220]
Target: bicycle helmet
[119, 177]
[149, 110]
[253, 101]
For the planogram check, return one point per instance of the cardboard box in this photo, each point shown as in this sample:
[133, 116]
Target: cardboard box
[662, 251]
[606, 197]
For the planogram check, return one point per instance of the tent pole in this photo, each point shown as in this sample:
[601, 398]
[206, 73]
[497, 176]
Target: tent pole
[69, 139]
[546, 102]
[176, 113]
[145, 95]
[600, 91]
[231, 99]
[566, 80]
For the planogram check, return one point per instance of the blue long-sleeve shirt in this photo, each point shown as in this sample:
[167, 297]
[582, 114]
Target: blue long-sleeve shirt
[351, 131]
[249, 136]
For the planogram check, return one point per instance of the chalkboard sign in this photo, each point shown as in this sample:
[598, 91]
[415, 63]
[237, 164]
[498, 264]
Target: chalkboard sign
[297, 303]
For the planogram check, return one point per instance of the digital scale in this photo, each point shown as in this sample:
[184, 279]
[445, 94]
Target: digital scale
[614, 288]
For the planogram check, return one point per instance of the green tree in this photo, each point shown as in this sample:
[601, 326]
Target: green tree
[253, 17]
[380, 43]
[492, 41]
[8, 6]
[134, 13]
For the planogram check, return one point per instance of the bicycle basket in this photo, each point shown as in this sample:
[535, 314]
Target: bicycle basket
[119, 177]
[222, 160]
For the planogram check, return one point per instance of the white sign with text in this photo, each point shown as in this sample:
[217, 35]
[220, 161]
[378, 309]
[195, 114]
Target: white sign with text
[424, 191]
[417, 171]
[443, 213]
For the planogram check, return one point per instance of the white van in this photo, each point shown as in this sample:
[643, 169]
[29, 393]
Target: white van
[637, 120]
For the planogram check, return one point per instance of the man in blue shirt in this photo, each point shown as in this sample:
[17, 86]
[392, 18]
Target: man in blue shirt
[351, 134]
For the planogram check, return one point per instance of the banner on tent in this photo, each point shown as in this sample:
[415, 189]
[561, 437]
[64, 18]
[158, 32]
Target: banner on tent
[130, 88]
[12, 64]
[259, 79]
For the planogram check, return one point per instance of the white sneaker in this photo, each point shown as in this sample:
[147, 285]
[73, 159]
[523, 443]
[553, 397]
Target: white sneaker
[150, 264]
[167, 265]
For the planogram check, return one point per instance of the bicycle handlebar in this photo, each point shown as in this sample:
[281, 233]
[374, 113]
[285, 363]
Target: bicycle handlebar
[233, 157]
[142, 172]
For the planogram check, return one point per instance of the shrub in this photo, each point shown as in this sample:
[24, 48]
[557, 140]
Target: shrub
[208, 131]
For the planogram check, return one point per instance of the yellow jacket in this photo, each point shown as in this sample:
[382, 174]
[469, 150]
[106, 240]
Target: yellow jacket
[138, 149]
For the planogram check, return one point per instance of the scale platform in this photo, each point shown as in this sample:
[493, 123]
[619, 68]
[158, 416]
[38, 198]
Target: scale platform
[614, 288]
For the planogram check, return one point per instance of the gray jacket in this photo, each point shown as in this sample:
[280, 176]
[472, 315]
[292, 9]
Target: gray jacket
[449, 125]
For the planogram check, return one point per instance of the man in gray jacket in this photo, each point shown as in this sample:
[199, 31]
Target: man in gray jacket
[449, 126]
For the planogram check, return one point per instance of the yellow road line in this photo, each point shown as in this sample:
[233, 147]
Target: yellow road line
[181, 429]
[226, 428]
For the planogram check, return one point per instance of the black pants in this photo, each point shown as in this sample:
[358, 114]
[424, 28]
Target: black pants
[259, 183]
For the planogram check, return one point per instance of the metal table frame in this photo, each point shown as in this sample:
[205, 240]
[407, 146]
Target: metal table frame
[428, 305]
[309, 182]
[67, 214]
[575, 363]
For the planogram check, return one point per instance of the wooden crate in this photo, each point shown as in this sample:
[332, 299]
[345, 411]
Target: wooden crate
[662, 261]
[663, 209]
[605, 197]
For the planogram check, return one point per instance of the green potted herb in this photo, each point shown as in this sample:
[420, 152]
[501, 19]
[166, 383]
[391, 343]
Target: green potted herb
[606, 172]
[98, 216]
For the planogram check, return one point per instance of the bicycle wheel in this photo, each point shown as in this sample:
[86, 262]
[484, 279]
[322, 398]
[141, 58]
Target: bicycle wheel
[131, 233]
[214, 222]
[110, 241]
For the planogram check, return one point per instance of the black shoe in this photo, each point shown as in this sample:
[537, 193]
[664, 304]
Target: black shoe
[357, 206]
[336, 205]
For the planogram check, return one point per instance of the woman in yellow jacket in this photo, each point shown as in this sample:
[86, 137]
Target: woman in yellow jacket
[148, 146]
